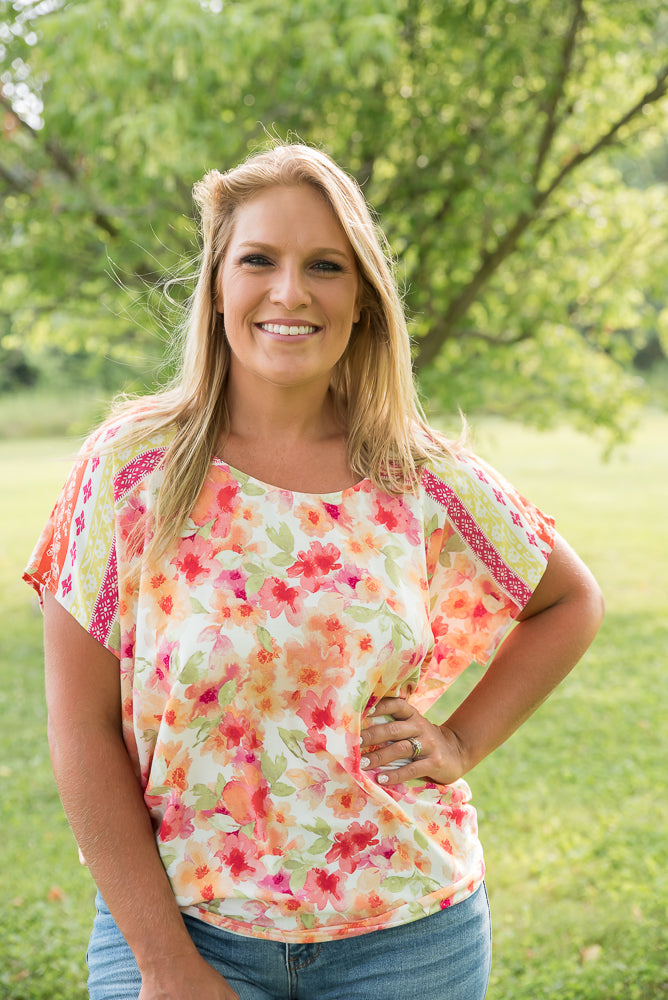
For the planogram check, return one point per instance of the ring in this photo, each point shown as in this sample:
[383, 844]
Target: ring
[417, 747]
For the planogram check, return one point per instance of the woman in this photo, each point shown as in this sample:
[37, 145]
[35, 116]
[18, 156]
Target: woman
[255, 584]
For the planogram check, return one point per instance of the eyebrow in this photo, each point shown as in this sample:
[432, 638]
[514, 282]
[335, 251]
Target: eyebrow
[258, 245]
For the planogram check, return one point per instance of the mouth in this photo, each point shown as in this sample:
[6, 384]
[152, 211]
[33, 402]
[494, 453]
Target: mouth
[291, 329]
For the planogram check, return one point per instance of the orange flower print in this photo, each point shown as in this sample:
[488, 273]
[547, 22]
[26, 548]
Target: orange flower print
[217, 502]
[314, 520]
[347, 801]
[196, 874]
[395, 515]
[318, 711]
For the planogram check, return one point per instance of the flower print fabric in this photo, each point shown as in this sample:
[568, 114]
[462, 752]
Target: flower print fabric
[250, 653]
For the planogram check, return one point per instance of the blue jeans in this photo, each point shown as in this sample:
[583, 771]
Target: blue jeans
[446, 956]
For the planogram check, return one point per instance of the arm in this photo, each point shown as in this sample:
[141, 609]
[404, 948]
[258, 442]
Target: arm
[106, 810]
[553, 631]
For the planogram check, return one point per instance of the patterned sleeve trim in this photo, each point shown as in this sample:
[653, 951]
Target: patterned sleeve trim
[470, 531]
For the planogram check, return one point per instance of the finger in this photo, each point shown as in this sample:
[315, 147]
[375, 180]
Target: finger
[398, 707]
[387, 732]
[388, 755]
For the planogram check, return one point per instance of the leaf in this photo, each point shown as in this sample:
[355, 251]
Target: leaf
[298, 878]
[363, 615]
[227, 693]
[319, 846]
[420, 839]
[272, 768]
[280, 788]
[252, 489]
[204, 797]
[395, 883]
[191, 672]
[282, 559]
[283, 538]
[197, 607]
[293, 740]
[308, 920]
[264, 638]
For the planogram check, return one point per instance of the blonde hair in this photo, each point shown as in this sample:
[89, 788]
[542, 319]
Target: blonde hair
[372, 386]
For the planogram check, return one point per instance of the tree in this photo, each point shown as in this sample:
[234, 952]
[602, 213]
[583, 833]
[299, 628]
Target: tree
[496, 140]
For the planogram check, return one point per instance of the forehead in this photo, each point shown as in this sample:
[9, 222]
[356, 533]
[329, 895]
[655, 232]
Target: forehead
[289, 215]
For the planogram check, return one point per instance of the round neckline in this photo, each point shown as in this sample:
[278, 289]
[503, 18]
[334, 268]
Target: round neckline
[271, 487]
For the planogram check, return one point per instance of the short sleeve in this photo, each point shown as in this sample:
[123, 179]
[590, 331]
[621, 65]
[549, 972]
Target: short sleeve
[487, 548]
[75, 557]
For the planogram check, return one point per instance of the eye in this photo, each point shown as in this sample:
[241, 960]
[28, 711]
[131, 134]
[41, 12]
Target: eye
[327, 267]
[255, 260]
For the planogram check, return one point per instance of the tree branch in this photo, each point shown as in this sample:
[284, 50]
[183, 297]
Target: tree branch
[490, 260]
[552, 121]
[64, 165]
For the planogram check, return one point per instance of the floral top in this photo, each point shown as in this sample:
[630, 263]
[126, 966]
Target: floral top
[250, 653]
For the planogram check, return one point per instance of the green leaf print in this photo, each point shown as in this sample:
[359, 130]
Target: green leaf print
[227, 693]
[293, 740]
[420, 839]
[392, 571]
[204, 797]
[280, 788]
[282, 539]
[191, 672]
[250, 489]
[361, 614]
[319, 846]
[254, 583]
[396, 883]
[298, 878]
[264, 638]
[282, 559]
[272, 769]
[308, 920]
[197, 607]
[321, 827]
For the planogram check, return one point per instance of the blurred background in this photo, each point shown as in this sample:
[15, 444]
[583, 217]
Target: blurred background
[516, 154]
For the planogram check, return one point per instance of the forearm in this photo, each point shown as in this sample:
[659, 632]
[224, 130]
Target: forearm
[531, 662]
[106, 810]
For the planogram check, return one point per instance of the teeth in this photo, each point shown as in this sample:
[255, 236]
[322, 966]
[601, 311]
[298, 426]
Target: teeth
[288, 331]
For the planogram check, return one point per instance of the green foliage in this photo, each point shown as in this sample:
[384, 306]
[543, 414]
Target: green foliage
[514, 152]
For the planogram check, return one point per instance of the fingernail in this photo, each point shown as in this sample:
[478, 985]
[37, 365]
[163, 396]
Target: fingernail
[383, 779]
[364, 762]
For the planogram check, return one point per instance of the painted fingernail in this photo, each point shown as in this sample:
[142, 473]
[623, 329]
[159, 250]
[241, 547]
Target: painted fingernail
[383, 779]
[364, 762]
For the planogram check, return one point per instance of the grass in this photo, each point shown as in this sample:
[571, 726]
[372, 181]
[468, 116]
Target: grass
[572, 810]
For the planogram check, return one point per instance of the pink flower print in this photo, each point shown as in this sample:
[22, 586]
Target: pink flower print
[177, 821]
[349, 846]
[278, 597]
[516, 518]
[73, 551]
[66, 585]
[500, 497]
[87, 491]
[395, 514]
[239, 855]
[324, 888]
[80, 522]
[246, 799]
[313, 566]
[481, 476]
[130, 517]
[236, 731]
[232, 581]
[280, 882]
[315, 741]
[94, 464]
[203, 696]
[318, 711]
[195, 559]
[347, 579]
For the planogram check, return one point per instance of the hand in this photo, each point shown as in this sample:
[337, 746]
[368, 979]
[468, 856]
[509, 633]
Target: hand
[441, 759]
[185, 977]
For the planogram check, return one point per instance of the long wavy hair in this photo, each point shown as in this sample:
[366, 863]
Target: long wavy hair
[372, 385]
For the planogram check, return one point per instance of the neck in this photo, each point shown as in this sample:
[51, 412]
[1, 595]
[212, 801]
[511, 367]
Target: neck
[278, 412]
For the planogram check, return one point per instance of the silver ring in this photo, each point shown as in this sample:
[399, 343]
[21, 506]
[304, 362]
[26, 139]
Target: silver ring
[417, 747]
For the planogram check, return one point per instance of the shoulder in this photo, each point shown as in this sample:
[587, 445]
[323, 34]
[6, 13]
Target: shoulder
[124, 450]
[482, 505]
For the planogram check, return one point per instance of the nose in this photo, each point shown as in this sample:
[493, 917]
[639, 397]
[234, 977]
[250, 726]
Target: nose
[290, 288]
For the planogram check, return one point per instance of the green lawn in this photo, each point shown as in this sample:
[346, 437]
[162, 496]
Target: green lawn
[573, 810]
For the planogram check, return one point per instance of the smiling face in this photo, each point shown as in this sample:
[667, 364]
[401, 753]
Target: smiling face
[288, 288]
